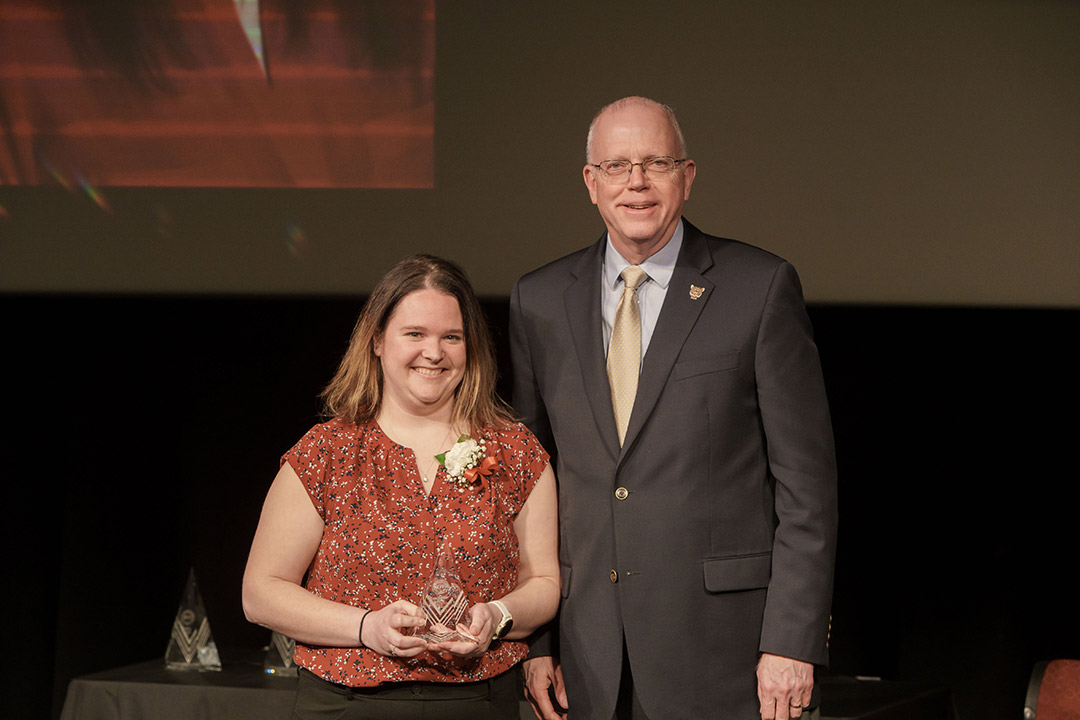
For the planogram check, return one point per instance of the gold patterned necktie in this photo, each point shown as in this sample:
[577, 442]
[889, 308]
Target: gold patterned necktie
[624, 351]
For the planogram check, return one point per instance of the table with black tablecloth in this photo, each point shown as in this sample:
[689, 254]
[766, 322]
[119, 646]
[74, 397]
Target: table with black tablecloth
[147, 691]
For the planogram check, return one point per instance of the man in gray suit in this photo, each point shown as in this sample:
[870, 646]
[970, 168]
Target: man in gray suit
[697, 491]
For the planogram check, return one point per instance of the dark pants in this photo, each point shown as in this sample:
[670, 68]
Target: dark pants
[493, 699]
[628, 707]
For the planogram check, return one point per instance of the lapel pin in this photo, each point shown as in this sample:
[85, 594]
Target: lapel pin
[696, 292]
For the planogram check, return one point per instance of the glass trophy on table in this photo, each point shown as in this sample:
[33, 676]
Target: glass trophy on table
[191, 644]
[279, 655]
[445, 605]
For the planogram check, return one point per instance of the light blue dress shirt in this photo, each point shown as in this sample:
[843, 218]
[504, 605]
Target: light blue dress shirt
[651, 293]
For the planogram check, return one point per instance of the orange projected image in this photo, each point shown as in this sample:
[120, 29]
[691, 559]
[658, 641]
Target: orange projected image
[217, 93]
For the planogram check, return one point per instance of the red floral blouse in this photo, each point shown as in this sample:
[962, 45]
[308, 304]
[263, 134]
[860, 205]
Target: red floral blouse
[383, 534]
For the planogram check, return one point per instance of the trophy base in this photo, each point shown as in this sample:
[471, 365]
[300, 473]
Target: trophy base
[192, 666]
[279, 656]
[436, 634]
[206, 659]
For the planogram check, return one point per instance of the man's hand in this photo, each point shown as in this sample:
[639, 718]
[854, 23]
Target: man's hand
[542, 674]
[784, 686]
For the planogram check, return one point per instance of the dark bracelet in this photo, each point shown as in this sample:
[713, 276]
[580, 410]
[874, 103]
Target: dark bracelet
[360, 635]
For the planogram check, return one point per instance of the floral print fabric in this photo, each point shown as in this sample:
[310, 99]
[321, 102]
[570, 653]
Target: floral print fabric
[383, 534]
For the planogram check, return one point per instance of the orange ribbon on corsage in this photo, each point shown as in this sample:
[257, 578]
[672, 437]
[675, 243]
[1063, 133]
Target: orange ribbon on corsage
[487, 465]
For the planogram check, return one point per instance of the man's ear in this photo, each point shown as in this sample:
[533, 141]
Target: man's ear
[589, 173]
[689, 173]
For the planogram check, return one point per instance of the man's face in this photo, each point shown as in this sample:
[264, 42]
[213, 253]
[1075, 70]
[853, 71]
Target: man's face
[641, 210]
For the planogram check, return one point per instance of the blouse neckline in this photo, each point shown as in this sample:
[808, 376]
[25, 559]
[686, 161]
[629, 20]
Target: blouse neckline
[414, 466]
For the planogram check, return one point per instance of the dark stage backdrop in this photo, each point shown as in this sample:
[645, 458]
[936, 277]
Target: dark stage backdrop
[141, 433]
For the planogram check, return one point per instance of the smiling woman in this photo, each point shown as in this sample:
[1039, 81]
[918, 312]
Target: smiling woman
[367, 505]
[356, 391]
[422, 354]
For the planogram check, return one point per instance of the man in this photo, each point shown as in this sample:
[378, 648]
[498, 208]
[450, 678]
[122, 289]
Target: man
[698, 489]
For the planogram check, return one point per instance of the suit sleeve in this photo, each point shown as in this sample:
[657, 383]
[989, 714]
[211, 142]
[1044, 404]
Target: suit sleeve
[802, 465]
[527, 401]
[530, 409]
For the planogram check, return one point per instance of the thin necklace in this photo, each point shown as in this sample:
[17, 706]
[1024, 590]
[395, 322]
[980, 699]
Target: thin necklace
[419, 468]
[423, 475]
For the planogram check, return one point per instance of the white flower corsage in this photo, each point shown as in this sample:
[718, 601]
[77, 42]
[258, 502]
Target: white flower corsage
[467, 463]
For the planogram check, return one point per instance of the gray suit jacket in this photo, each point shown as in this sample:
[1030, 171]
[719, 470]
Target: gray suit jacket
[709, 536]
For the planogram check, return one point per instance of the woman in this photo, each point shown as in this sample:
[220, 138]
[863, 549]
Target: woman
[362, 506]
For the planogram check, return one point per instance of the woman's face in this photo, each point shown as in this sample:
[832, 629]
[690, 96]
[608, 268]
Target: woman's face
[422, 352]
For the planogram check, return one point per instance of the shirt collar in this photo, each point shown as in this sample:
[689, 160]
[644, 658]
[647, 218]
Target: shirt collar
[660, 266]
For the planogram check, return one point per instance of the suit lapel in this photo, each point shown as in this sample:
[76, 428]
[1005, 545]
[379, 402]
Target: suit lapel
[582, 305]
[677, 318]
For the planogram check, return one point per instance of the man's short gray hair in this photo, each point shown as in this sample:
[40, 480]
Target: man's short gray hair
[627, 102]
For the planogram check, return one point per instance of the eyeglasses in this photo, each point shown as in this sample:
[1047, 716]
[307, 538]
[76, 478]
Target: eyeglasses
[659, 166]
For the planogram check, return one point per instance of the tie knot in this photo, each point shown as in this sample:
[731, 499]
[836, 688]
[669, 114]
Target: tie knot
[633, 276]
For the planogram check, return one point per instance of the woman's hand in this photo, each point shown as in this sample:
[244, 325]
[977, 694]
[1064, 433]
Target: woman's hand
[482, 619]
[385, 630]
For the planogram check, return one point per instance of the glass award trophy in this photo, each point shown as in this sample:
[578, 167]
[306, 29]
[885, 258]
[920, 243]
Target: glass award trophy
[279, 655]
[191, 644]
[444, 605]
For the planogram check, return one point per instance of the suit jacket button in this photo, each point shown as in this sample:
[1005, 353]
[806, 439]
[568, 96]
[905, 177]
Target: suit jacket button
[614, 576]
[622, 493]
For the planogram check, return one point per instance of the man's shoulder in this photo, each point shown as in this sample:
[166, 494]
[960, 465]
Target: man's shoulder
[734, 263]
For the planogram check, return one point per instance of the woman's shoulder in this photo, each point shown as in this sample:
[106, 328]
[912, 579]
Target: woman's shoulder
[338, 432]
[513, 435]
[509, 430]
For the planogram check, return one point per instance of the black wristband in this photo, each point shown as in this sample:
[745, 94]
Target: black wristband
[360, 634]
